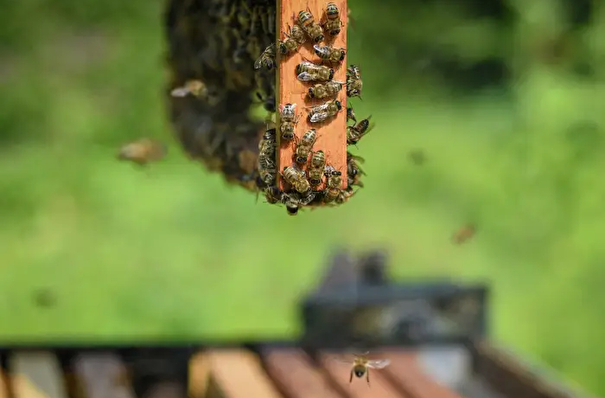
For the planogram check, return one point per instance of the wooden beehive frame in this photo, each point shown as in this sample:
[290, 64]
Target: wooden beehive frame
[331, 134]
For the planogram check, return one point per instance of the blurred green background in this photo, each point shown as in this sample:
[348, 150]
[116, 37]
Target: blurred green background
[505, 99]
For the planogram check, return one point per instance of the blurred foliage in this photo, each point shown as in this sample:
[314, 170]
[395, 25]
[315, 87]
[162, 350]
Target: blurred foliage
[504, 98]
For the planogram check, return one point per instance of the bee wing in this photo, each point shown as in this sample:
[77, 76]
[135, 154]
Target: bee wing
[259, 62]
[319, 108]
[180, 92]
[318, 117]
[305, 77]
[379, 364]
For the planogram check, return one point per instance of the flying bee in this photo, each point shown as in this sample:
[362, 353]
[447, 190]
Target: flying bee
[294, 201]
[330, 54]
[304, 147]
[309, 72]
[198, 89]
[311, 28]
[294, 39]
[356, 132]
[267, 58]
[325, 90]
[288, 120]
[351, 114]
[464, 234]
[354, 82]
[273, 194]
[333, 23]
[361, 366]
[297, 179]
[143, 151]
[323, 112]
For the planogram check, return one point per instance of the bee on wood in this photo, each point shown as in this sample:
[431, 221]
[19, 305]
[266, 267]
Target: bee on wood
[316, 169]
[330, 54]
[464, 234]
[357, 131]
[333, 181]
[304, 147]
[267, 58]
[354, 172]
[294, 39]
[143, 151]
[323, 112]
[273, 194]
[311, 28]
[297, 179]
[351, 114]
[354, 82]
[267, 169]
[361, 366]
[332, 23]
[326, 90]
[294, 201]
[309, 72]
[288, 120]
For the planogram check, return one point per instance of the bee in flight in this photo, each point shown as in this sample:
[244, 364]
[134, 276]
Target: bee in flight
[332, 23]
[330, 54]
[197, 88]
[354, 82]
[294, 39]
[326, 90]
[309, 72]
[311, 28]
[143, 151]
[267, 58]
[361, 366]
[464, 234]
[288, 120]
[357, 131]
[323, 112]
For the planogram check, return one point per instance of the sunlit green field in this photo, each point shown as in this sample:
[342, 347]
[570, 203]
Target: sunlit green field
[172, 252]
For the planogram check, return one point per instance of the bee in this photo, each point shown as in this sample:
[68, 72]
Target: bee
[309, 72]
[330, 54]
[354, 82]
[325, 90]
[198, 89]
[267, 143]
[464, 234]
[311, 28]
[297, 179]
[273, 194]
[351, 114]
[334, 177]
[304, 147]
[288, 120]
[361, 366]
[267, 58]
[333, 23]
[267, 169]
[356, 132]
[316, 170]
[268, 102]
[417, 156]
[354, 172]
[143, 151]
[294, 201]
[294, 39]
[323, 112]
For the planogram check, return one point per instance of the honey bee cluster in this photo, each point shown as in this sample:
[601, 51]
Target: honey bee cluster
[308, 169]
[212, 46]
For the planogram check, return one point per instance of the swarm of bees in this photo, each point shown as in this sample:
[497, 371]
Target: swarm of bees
[223, 55]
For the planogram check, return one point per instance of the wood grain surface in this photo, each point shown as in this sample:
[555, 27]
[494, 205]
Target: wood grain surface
[331, 134]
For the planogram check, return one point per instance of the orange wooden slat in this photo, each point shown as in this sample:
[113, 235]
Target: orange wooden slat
[296, 374]
[331, 134]
[239, 374]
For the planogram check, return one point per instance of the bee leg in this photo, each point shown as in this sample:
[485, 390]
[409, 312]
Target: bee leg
[351, 378]
[368, 377]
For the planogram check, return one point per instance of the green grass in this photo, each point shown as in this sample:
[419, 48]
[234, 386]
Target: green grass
[174, 253]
